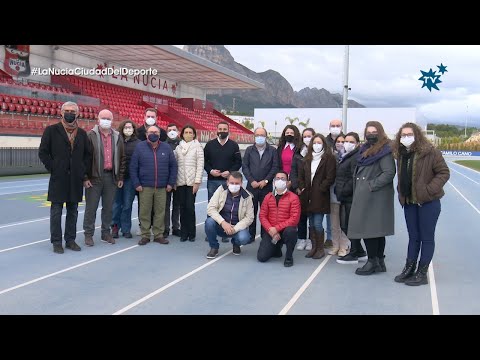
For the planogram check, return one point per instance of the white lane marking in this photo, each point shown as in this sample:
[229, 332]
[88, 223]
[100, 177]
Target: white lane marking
[20, 192]
[21, 186]
[464, 198]
[64, 270]
[433, 290]
[458, 172]
[39, 241]
[304, 287]
[170, 284]
[466, 167]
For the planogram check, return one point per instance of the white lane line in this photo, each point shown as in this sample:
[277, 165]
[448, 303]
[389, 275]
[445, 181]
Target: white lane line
[304, 287]
[433, 290]
[20, 192]
[170, 284]
[464, 198]
[39, 241]
[77, 266]
[458, 172]
[65, 270]
[46, 179]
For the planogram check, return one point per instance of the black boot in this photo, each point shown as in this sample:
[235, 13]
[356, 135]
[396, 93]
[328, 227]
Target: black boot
[420, 277]
[381, 262]
[369, 268]
[407, 271]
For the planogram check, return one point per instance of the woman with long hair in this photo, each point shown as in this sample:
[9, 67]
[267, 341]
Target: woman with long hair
[122, 206]
[289, 144]
[344, 192]
[372, 212]
[316, 175]
[422, 174]
[304, 242]
[190, 160]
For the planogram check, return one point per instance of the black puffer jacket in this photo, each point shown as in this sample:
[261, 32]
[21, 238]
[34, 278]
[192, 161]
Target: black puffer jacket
[344, 179]
[129, 147]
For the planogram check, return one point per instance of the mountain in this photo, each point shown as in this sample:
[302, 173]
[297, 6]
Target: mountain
[278, 92]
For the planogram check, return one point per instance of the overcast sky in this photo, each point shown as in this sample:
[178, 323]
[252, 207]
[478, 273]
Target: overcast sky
[379, 75]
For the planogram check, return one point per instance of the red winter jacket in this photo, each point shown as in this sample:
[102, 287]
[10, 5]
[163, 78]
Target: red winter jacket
[286, 214]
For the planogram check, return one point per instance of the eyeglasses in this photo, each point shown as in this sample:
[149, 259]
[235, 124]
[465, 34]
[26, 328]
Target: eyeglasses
[70, 111]
[156, 133]
[403, 136]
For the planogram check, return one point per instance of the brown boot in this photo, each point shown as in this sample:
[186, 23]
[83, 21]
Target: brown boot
[320, 252]
[161, 240]
[313, 237]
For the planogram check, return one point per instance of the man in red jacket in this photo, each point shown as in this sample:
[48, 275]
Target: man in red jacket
[279, 216]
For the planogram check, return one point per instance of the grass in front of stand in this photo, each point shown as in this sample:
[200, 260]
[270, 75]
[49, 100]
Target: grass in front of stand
[472, 164]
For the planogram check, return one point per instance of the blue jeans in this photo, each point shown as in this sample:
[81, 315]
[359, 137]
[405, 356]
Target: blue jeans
[212, 229]
[316, 220]
[122, 206]
[421, 222]
[212, 186]
[328, 230]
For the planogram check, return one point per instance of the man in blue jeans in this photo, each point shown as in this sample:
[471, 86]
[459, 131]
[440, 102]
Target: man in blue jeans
[230, 213]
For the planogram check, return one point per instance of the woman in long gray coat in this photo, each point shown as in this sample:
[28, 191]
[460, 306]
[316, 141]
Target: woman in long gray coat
[372, 213]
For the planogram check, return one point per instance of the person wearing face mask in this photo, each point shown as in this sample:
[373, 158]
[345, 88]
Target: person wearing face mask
[422, 174]
[105, 175]
[173, 140]
[289, 144]
[222, 156]
[315, 177]
[154, 170]
[336, 130]
[190, 158]
[150, 118]
[372, 213]
[122, 206]
[344, 192]
[260, 163]
[304, 241]
[279, 216]
[230, 213]
[66, 154]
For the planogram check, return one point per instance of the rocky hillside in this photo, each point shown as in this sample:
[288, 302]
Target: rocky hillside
[277, 93]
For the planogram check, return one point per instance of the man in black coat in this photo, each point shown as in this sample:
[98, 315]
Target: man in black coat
[66, 154]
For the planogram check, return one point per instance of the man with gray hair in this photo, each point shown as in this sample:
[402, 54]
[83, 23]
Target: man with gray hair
[65, 152]
[260, 164]
[105, 173]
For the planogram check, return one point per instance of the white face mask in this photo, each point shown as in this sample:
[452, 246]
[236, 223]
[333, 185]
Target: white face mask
[348, 147]
[306, 140]
[105, 123]
[407, 141]
[172, 134]
[127, 131]
[280, 185]
[150, 121]
[234, 188]
[317, 147]
[335, 131]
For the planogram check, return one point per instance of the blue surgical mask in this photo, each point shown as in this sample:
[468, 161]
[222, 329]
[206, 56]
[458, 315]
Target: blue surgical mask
[260, 140]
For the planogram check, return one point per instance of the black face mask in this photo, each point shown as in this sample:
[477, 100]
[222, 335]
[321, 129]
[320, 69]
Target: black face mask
[289, 138]
[153, 138]
[371, 138]
[222, 135]
[69, 117]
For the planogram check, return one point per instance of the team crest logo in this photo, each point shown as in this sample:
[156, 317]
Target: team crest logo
[17, 60]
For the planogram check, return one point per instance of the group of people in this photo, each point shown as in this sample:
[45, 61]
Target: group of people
[307, 178]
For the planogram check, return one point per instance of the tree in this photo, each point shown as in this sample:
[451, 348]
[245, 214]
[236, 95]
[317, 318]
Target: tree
[248, 124]
[292, 121]
[304, 123]
[262, 123]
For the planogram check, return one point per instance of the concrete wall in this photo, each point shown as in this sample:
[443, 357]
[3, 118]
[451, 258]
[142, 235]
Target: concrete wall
[20, 141]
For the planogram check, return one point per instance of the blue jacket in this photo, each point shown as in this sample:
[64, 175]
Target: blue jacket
[153, 168]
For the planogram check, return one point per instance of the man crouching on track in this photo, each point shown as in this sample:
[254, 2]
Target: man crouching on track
[230, 213]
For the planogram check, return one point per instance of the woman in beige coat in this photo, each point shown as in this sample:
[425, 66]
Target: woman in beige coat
[190, 159]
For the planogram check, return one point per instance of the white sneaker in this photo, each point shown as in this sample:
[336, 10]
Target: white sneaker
[308, 247]
[301, 244]
[139, 232]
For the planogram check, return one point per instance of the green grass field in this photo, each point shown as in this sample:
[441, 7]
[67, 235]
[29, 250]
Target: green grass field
[472, 164]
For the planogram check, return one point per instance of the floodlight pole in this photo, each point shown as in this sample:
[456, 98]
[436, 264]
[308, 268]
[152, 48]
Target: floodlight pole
[345, 89]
